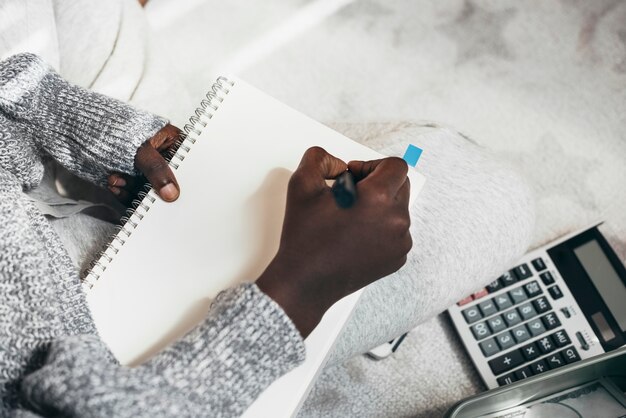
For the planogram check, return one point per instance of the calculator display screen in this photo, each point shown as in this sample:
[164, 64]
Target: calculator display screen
[605, 279]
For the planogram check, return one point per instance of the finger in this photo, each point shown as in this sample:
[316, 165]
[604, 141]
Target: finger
[315, 168]
[166, 138]
[116, 180]
[362, 169]
[404, 193]
[156, 169]
[388, 174]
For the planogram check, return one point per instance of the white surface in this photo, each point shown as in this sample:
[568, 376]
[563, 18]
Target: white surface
[241, 164]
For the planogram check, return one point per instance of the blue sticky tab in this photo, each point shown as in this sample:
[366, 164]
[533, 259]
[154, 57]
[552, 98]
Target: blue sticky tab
[412, 155]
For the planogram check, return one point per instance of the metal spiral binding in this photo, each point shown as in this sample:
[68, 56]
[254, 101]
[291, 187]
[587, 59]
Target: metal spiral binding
[191, 131]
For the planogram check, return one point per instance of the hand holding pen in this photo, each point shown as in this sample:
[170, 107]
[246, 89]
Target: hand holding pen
[326, 251]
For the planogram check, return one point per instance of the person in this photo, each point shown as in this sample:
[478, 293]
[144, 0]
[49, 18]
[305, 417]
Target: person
[52, 359]
[470, 205]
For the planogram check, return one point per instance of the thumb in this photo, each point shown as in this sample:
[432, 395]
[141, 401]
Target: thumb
[154, 167]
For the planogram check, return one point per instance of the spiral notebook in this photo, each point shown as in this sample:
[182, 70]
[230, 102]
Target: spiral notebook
[156, 279]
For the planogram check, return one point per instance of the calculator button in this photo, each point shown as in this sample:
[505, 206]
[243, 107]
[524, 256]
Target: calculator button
[582, 341]
[550, 320]
[505, 340]
[520, 333]
[518, 295]
[523, 373]
[488, 308]
[503, 301]
[506, 362]
[527, 311]
[472, 314]
[530, 351]
[555, 292]
[522, 272]
[494, 286]
[507, 379]
[538, 264]
[547, 278]
[560, 338]
[465, 301]
[532, 289]
[555, 360]
[480, 330]
[536, 327]
[489, 347]
[539, 367]
[481, 293]
[512, 317]
[496, 324]
[542, 305]
[546, 345]
[570, 355]
[507, 279]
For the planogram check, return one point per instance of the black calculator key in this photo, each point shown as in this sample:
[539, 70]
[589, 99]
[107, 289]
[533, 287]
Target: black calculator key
[547, 278]
[489, 347]
[507, 379]
[518, 295]
[538, 264]
[530, 351]
[505, 340]
[570, 355]
[561, 339]
[472, 314]
[542, 305]
[494, 286]
[539, 367]
[480, 330]
[520, 333]
[523, 373]
[508, 278]
[522, 272]
[512, 317]
[496, 324]
[550, 320]
[546, 345]
[555, 292]
[503, 301]
[555, 361]
[536, 327]
[527, 311]
[488, 308]
[533, 289]
[506, 362]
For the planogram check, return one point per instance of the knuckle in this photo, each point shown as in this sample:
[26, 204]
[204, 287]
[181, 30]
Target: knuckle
[315, 153]
[398, 164]
[380, 198]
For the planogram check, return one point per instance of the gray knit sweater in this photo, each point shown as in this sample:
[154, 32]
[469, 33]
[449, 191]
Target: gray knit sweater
[52, 362]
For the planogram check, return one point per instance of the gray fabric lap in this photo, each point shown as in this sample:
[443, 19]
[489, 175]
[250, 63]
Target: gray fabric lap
[472, 220]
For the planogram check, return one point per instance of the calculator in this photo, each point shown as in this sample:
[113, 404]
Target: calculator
[561, 303]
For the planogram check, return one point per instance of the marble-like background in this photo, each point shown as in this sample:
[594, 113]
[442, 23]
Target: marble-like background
[542, 83]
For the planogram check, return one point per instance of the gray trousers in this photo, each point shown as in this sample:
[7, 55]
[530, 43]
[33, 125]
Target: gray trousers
[472, 220]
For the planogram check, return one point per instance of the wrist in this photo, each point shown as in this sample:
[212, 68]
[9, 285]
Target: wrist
[298, 304]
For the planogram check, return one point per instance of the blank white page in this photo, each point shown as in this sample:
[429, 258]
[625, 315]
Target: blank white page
[223, 230]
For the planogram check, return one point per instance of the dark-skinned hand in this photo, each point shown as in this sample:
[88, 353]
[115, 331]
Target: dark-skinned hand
[327, 252]
[150, 161]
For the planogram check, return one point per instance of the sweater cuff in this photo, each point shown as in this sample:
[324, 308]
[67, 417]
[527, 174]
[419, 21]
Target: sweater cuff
[246, 342]
[89, 133]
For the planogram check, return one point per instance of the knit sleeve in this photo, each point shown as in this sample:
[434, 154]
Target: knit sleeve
[90, 134]
[217, 370]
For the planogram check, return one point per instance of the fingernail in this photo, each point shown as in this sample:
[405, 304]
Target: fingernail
[169, 192]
